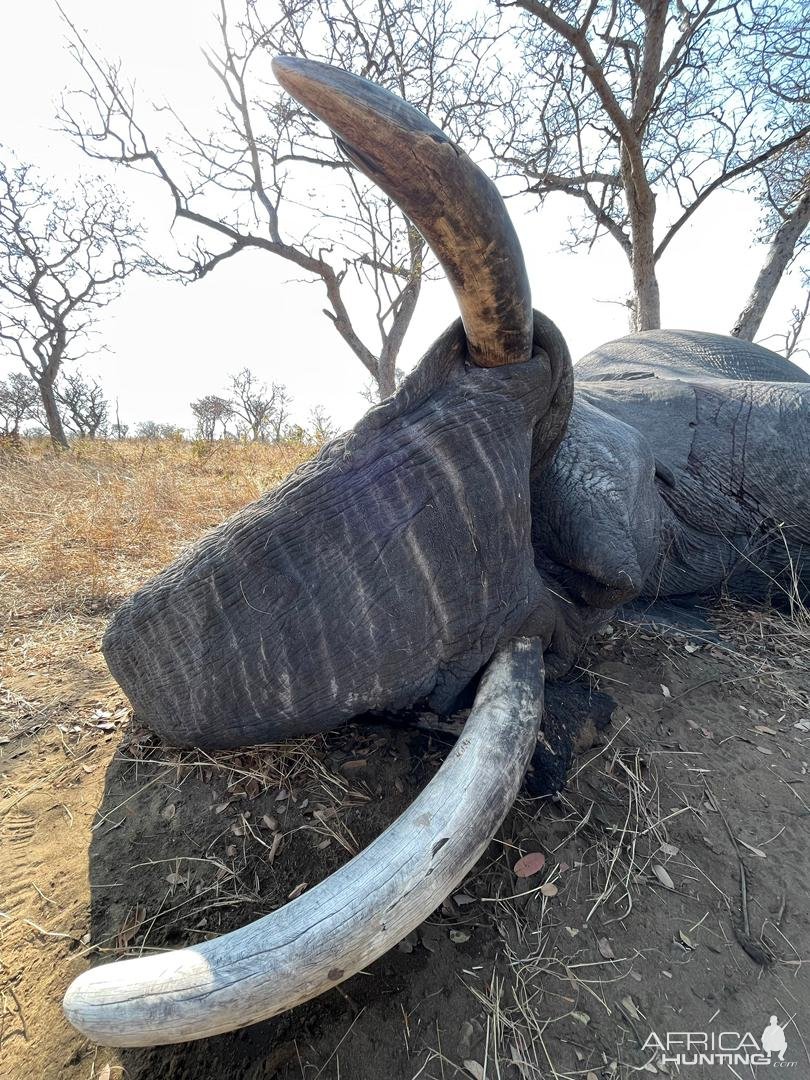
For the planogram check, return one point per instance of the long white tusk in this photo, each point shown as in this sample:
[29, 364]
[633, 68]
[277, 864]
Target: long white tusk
[355, 915]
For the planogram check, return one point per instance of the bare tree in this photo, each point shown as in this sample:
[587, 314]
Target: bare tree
[119, 430]
[791, 341]
[261, 412]
[279, 418]
[633, 105]
[62, 257]
[212, 411]
[321, 425]
[241, 187]
[19, 398]
[786, 198]
[85, 408]
[150, 429]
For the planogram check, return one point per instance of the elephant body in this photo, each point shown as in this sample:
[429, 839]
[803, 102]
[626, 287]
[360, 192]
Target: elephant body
[728, 424]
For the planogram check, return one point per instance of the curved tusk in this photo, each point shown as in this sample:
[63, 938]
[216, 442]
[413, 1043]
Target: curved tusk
[451, 201]
[355, 915]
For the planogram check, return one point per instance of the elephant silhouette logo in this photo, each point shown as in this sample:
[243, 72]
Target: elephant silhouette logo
[773, 1040]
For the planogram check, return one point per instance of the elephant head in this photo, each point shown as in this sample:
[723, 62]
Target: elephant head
[391, 569]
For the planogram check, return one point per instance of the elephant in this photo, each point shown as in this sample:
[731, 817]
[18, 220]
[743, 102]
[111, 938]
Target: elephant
[474, 529]
[683, 472]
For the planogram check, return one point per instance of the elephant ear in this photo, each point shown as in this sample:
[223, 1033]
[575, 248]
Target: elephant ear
[596, 518]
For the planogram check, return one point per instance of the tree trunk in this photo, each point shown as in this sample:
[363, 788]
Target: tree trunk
[54, 420]
[776, 262]
[646, 311]
[386, 375]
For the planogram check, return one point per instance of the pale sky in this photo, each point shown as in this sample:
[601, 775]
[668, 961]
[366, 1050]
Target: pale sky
[169, 344]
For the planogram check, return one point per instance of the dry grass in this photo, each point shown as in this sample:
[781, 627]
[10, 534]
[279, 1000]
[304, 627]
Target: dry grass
[80, 530]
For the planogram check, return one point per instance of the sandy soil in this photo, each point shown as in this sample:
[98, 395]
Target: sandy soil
[677, 852]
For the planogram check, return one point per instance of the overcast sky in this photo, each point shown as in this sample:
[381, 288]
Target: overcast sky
[169, 344]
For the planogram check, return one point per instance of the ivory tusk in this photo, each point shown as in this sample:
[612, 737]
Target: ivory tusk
[355, 915]
[455, 205]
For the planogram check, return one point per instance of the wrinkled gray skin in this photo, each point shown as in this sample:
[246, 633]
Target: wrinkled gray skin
[684, 472]
[383, 572]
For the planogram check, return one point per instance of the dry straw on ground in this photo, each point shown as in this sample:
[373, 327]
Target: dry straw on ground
[80, 530]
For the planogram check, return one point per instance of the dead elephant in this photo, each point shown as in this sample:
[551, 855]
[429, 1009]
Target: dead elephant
[462, 525]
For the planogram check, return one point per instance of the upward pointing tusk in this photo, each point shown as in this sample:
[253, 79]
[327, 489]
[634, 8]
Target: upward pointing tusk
[452, 202]
[352, 917]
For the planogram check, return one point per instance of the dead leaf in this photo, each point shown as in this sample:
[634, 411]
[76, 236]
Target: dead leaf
[764, 749]
[274, 847]
[270, 822]
[103, 1073]
[549, 889]
[663, 876]
[474, 1069]
[462, 899]
[530, 864]
[298, 890]
[754, 850]
[130, 926]
[763, 730]
[521, 1066]
[459, 936]
[631, 1007]
[669, 849]
[665, 690]
[604, 948]
[168, 811]
[582, 1017]
[685, 940]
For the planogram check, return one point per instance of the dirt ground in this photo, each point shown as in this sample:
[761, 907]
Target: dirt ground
[673, 895]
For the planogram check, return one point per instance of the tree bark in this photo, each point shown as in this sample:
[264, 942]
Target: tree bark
[646, 310]
[55, 427]
[776, 262]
